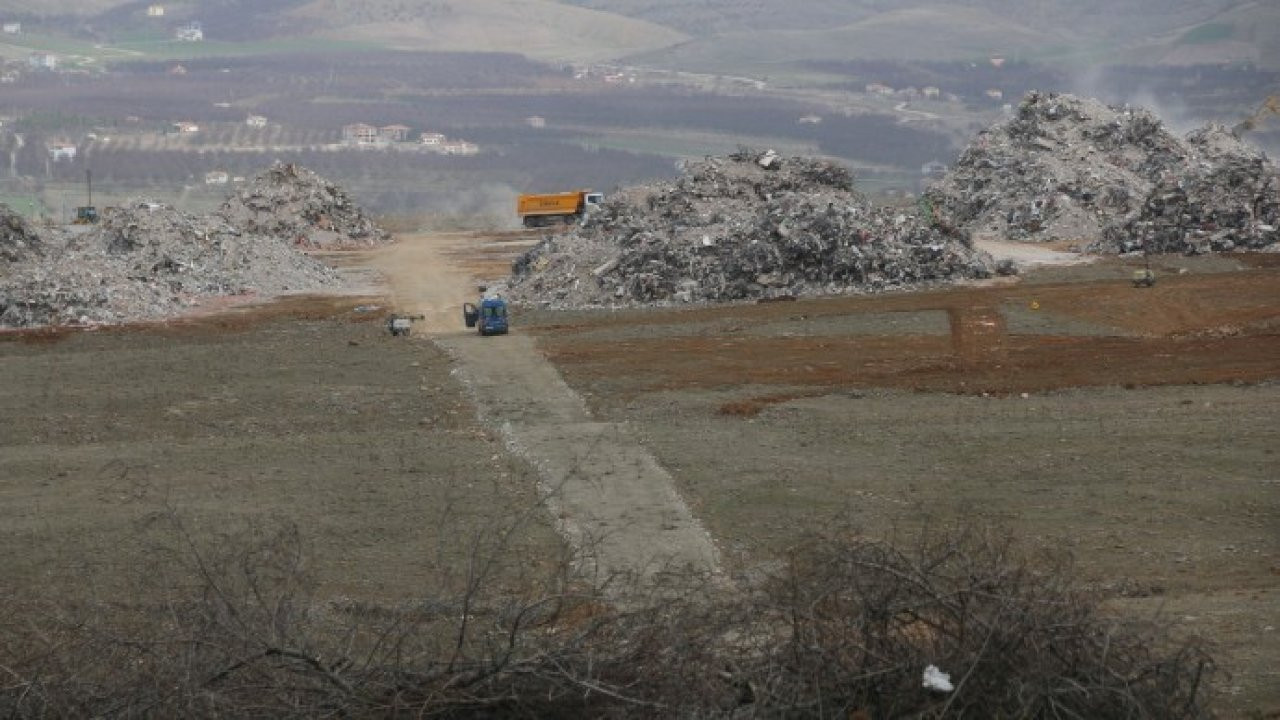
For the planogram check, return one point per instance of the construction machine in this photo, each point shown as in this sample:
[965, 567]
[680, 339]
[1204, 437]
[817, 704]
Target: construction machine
[87, 214]
[399, 325]
[1270, 106]
[557, 208]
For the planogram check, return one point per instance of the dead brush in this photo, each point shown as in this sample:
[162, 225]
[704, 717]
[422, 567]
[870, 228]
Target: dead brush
[844, 629]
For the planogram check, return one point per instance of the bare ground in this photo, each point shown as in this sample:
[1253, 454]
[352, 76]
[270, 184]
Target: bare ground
[1144, 443]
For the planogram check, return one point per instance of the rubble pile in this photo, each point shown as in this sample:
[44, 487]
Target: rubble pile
[1227, 203]
[296, 204]
[748, 226]
[1065, 168]
[18, 242]
[149, 261]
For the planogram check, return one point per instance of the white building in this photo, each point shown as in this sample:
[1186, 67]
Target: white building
[13, 28]
[191, 32]
[460, 147]
[256, 121]
[43, 61]
[62, 151]
[155, 11]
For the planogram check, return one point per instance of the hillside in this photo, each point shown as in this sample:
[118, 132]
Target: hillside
[900, 34]
[1080, 17]
[757, 37]
[33, 8]
[541, 29]
[754, 37]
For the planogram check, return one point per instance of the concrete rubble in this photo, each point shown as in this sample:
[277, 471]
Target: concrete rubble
[146, 260]
[296, 204]
[1114, 179]
[18, 241]
[749, 226]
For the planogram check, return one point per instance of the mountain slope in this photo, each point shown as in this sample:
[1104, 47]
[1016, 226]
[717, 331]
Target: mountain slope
[925, 33]
[1085, 18]
[541, 29]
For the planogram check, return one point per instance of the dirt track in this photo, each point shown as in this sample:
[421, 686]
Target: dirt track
[609, 495]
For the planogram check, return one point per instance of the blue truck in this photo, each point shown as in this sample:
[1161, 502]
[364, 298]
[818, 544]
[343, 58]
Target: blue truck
[489, 318]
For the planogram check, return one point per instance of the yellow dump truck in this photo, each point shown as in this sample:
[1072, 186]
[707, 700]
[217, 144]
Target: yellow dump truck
[557, 208]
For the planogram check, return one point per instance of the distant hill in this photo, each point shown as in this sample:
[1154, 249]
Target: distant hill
[1093, 18]
[542, 29]
[750, 37]
[930, 33]
[755, 35]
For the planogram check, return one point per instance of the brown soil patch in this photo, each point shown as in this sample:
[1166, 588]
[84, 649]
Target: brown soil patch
[1192, 329]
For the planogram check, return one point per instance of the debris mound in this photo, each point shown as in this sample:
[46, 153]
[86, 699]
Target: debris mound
[149, 261]
[18, 242]
[749, 226]
[1230, 202]
[296, 204]
[1065, 168]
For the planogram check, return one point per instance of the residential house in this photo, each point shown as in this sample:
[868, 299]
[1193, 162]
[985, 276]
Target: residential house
[217, 177]
[186, 127]
[13, 28]
[931, 92]
[60, 151]
[459, 147]
[394, 133]
[155, 11]
[256, 121]
[191, 32]
[178, 70]
[810, 120]
[8, 77]
[878, 89]
[360, 134]
[995, 94]
[432, 139]
[535, 121]
[43, 61]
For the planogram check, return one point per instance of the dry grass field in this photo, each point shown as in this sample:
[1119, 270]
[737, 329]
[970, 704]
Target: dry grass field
[1134, 428]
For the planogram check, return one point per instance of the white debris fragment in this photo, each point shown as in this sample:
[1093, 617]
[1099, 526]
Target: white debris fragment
[935, 679]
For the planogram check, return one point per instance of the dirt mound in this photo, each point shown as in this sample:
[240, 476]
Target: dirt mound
[150, 261]
[747, 226]
[18, 241]
[296, 204]
[1075, 169]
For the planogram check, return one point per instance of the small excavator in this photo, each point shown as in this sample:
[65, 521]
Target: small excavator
[1270, 106]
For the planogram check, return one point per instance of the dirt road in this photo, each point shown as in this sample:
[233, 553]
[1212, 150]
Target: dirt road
[609, 495]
